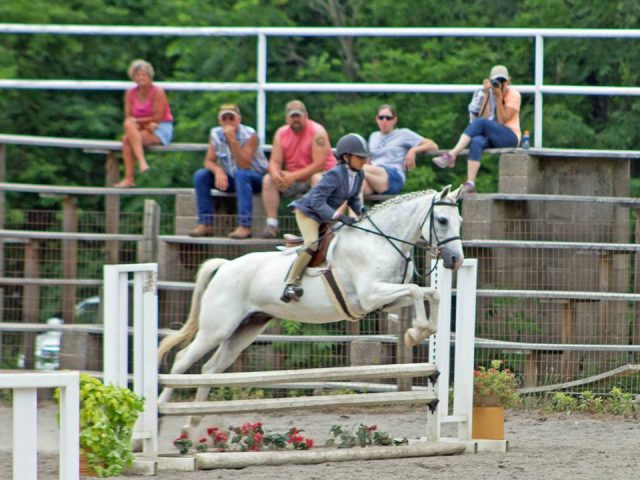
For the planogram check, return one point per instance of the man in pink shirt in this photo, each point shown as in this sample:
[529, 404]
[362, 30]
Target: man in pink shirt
[300, 152]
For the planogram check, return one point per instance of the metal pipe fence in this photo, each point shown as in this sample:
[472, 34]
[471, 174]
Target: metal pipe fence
[555, 312]
[264, 85]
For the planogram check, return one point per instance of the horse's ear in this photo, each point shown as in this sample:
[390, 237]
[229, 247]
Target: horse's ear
[445, 192]
[455, 194]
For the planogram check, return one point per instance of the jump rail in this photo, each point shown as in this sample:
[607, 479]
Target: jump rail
[25, 414]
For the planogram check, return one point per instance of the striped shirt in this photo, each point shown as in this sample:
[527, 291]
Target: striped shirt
[224, 155]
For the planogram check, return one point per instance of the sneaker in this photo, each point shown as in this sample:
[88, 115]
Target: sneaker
[468, 188]
[240, 233]
[269, 232]
[292, 292]
[445, 160]
[202, 230]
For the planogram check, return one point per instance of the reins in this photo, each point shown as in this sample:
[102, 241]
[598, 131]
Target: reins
[429, 247]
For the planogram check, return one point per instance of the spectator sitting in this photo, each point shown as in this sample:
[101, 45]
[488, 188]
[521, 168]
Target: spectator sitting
[233, 163]
[393, 151]
[302, 146]
[494, 122]
[147, 120]
[323, 203]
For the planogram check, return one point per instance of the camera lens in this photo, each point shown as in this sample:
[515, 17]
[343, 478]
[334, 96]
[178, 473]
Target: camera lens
[495, 83]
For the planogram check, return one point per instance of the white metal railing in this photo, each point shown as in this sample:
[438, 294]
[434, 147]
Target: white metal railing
[25, 421]
[261, 86]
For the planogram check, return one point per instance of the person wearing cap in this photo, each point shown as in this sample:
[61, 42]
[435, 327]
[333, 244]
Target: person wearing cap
[494, 123]
[393, 152]
[233, 163]
[327, 201]
[300, 152]
[147, 120]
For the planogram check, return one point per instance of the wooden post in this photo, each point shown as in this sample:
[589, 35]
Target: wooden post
[30, 299]
[112, 211]
[149, 246]
[531, 368]
[69, 258]
[568, 365]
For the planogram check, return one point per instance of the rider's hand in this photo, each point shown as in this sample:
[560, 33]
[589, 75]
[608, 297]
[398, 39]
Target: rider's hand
[346, 219]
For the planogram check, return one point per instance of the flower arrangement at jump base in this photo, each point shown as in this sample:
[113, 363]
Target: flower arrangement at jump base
[248, 437]
[495, 386]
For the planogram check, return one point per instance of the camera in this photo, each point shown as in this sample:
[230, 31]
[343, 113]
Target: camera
[495, 82]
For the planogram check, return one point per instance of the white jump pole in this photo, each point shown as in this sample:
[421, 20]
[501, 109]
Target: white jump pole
[145, 338]
[440, 346]
[25, 421]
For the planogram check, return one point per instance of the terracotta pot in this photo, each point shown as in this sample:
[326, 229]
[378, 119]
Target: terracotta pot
[85, 469]
[488, 423]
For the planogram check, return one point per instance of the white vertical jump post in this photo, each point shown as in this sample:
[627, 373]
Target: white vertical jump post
[145, 339]
[25, 421]
[440, 345]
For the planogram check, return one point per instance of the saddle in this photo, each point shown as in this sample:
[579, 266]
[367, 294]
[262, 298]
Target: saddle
[325, 235]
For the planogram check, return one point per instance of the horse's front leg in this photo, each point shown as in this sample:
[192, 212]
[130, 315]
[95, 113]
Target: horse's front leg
[397, 295]
[423, 326]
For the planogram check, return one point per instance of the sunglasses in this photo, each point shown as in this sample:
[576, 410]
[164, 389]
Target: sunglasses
[385, 117]
[227, 116]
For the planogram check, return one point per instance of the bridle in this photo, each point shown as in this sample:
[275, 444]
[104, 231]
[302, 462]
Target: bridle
[433, 235]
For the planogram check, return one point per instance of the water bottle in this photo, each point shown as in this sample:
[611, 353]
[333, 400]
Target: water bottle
[525, 140]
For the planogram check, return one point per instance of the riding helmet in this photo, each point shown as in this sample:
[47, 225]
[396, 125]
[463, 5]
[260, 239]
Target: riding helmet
[353, 144]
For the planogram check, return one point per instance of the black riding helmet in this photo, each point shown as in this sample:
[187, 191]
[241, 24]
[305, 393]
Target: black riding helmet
[353, 144]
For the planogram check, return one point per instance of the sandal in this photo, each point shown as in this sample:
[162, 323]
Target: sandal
[446, 160]
[124, 184]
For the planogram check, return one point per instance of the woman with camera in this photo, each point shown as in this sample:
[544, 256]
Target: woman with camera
[494, 115]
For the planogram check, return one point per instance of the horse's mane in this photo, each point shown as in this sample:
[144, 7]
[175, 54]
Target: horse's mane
[400, 199]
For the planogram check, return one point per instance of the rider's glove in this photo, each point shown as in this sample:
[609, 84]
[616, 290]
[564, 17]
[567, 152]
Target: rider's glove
[363, 210]
[346, 219]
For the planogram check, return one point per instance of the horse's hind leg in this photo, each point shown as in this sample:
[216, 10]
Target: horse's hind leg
[227, 353]
[186, 357]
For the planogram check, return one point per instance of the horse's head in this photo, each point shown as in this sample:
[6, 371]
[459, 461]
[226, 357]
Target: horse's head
[442, 227]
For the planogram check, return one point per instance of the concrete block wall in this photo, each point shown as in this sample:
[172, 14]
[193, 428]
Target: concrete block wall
[578, 322]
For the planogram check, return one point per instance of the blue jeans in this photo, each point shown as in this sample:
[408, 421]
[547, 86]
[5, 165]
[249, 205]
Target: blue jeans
[245, 184]
[486, 133]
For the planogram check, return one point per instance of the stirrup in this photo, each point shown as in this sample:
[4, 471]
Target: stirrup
[292, 292]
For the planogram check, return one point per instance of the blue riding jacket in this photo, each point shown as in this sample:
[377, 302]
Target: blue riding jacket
[321, 202]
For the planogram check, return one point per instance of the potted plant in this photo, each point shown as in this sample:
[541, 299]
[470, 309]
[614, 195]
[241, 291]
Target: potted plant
[107, 416]
[494, 388]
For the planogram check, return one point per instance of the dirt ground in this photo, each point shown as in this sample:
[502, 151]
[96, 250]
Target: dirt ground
[542, 446]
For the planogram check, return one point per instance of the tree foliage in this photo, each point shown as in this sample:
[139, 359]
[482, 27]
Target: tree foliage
[570, 121]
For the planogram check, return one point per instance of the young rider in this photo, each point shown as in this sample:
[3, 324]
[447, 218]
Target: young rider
[322, 204]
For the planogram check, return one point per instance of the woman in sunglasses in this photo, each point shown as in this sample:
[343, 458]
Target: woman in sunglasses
[393, 152]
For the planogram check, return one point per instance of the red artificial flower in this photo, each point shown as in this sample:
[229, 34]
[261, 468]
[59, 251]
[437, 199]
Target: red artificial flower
[203, 440]
[309, 442]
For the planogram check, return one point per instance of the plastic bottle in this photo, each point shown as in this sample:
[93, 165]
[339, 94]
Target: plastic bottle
[525, 140]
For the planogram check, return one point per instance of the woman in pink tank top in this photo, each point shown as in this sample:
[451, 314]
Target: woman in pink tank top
[147, 120]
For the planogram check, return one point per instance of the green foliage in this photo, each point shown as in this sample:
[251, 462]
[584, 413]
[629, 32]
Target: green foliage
[361, 436]
[107, 416]
[617, 402]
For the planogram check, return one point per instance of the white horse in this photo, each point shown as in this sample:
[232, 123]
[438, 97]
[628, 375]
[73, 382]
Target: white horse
[233, 300]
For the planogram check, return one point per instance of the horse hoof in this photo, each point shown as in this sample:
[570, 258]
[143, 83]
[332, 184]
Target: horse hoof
[409, 340]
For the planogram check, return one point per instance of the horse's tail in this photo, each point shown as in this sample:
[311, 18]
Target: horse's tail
[189, 329]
